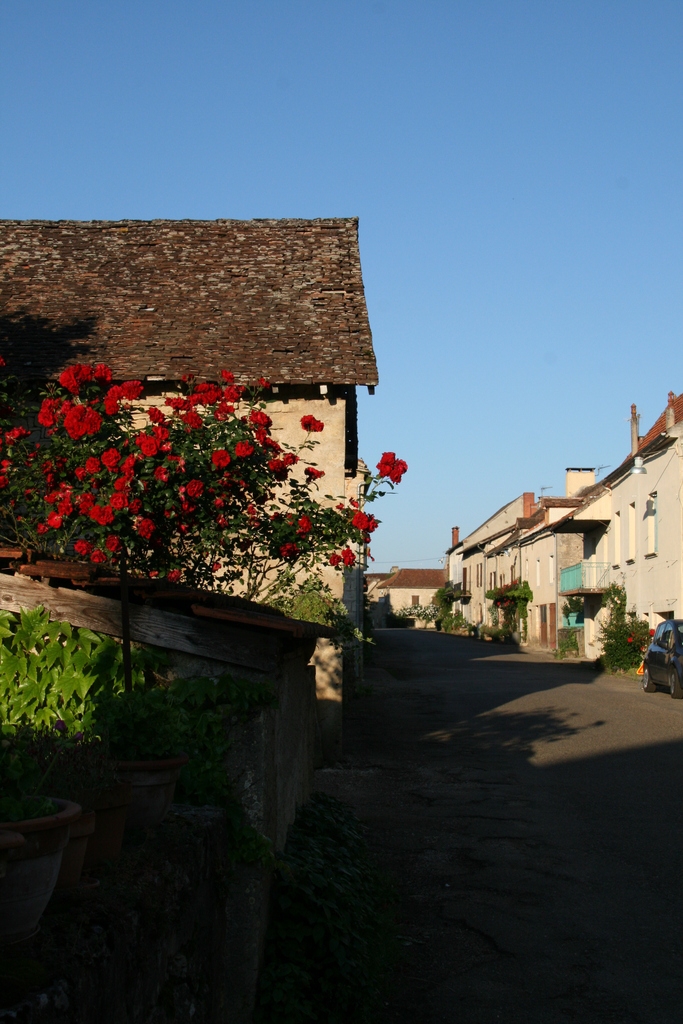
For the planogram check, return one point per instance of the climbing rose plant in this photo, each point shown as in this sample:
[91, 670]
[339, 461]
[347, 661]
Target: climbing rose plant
[197, 490]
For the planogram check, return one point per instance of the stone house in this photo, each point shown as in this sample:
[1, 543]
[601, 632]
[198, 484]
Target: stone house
[631, 529]
[158, 300]
[481, 573]
[407, 588]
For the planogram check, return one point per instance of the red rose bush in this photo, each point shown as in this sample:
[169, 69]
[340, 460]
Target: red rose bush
[197, 490]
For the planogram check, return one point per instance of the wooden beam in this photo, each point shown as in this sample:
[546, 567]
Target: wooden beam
[147, 625]
[296, 627]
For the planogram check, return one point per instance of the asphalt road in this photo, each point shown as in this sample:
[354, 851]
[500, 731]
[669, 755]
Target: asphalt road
[531, 815]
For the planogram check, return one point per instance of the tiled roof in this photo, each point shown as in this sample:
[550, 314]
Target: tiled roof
[417, 579]
[659, 426]
[282, 299]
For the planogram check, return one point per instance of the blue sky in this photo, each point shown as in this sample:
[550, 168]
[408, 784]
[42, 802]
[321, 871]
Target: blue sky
[517, 171]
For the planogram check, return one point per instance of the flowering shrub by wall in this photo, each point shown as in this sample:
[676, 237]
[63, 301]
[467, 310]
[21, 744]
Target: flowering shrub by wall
[202, 492]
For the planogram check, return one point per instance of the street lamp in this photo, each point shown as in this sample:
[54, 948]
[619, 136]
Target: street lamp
[637, 467]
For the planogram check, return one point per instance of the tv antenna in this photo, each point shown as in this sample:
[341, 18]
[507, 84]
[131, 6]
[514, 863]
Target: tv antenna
[548, 487]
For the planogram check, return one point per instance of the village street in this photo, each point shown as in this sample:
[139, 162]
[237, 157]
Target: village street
[531, 815]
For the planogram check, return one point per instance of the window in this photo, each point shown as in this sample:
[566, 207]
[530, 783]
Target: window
[464, 579]
[551, 568]
[631, 532]
[502, 579]
[652, 525]
[415, 600]
[616, 554]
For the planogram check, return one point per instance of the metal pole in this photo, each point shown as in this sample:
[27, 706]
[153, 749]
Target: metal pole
[125, 623]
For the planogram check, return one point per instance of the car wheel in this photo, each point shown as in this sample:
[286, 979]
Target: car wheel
[675, 684]
[648, 685]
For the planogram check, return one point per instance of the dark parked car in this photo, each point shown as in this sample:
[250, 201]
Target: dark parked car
[663, 662]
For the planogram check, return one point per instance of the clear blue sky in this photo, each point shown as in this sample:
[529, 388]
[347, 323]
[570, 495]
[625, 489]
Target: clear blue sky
[517, 171]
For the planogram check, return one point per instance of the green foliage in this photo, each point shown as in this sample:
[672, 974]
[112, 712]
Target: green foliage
[205, 708]
[329, 935]
[511, 601]
[140, 725]
[51, 671]
[20, 779]
[313, 601]
[567, 644]
[623, 636]
[572, 606]
[70, 766]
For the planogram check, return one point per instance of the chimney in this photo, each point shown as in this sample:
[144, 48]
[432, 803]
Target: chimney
[670, 411]
[455, 535]
[394, 569]
[635, 420]
[578, 478]
[528, 503]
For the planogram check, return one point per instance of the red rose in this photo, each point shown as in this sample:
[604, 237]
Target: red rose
[173, 576]
[156, 415]
[135, 506]
[113, 543]
[390, 466]
[195, 488]
[92, 465]
[221, 458]
[145, 527]
[192, 419]
[243, 449]
[161, 433]
[65, 506]
[368, 524]
[314, 474]
[102, 373]
[118, 501]
[81, 420]
[289, 550]
[311, 424]
[131, 389]
[305, 526]
[83, 547]
[290, 459]
[147, 445]
[49, 410]
[85, 502]
[161, 473]
[42, 528]
[102, 514]
[348, 557]
[259, 418]
[54, 520]
[111, 459]
[74, 376]
[228, 377]
[335, 559]
[98, 556]
[215, 567]
[278, 469]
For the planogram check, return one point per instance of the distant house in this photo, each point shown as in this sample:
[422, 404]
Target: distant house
[406, 588]
[156, 300]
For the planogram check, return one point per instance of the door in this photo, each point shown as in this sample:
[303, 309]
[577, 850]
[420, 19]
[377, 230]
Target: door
[544, 625]
[552, 625]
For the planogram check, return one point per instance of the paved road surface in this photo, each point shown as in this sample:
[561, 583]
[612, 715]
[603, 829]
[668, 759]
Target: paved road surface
[531, 813]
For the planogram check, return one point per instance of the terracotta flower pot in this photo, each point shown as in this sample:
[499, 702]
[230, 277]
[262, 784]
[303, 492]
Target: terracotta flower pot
[74, 852]
[32, 869]
[153, 785]
[110, 806]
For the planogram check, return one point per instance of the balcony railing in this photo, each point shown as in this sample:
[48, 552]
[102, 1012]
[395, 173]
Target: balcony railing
[584, 576]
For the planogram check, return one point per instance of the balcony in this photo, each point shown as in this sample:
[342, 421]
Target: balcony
[584, 578]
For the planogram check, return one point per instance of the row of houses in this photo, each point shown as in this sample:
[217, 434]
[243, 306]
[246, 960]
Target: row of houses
[625, 529]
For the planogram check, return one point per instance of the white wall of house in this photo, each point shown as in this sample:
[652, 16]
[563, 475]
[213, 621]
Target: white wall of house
[643, 544]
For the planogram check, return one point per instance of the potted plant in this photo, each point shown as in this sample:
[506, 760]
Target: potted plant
[31, 869]
[79, 769]
[144, 732]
